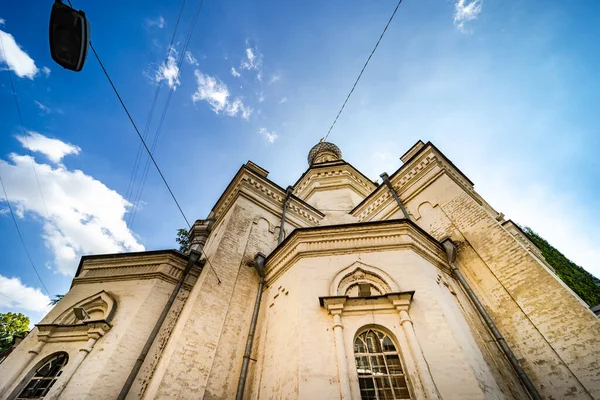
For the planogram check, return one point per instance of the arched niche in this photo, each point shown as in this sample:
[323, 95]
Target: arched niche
[358, 273]
[100, 307]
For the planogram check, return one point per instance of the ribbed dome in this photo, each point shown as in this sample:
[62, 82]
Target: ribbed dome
[322, 152]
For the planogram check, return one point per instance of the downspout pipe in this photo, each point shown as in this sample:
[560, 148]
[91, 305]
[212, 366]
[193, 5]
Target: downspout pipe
[512, 359]
[198, 235]
[386, 180]
[259, 264]
[288, 193]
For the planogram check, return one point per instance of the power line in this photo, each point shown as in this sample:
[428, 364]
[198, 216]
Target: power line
[147, 149]
[138, 158]
[165, 108]
[12, 214]
[25, 136]
[363, 69]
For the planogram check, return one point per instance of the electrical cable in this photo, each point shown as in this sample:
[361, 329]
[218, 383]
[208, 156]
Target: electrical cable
[12, 214]
[136, 164]
[182, 53]
[362, 70]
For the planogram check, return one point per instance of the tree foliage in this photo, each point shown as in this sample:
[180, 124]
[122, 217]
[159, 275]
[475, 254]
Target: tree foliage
[183, 239]
[56, 299]
[586, 285]
[12, 324]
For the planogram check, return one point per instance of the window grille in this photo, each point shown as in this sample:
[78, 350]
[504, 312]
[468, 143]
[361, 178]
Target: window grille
[380, 372]
[44, 377]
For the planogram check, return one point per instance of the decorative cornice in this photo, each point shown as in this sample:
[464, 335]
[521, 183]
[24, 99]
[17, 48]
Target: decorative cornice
[353, 238]
[329, 176]
[343, 305]
[266, 194]
[164, 266]
[421, 169]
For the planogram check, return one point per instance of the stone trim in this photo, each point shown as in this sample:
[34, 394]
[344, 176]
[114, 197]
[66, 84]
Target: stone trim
[266, 194]
[352, 238]
[307, 185]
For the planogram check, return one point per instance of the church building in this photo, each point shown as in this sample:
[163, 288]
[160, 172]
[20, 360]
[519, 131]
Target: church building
[336, 287]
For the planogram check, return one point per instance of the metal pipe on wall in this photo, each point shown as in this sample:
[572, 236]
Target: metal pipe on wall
[259, 264]
[512, 359]
[386, 180]
[288, 193]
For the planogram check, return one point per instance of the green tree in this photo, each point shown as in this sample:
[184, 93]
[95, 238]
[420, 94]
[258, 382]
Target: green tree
[183, 239]
[586, 285]
[56, 299]
[12, 324]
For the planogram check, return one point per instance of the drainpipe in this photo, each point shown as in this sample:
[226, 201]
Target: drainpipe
[386, 180]
[259, 264]
[512, 359]
[199, 234]
[288, 193]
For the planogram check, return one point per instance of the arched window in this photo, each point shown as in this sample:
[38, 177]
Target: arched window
[380, 372]
[44, 377]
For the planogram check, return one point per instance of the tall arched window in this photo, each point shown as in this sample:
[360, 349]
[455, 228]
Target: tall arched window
[44, 377]
[380, 372]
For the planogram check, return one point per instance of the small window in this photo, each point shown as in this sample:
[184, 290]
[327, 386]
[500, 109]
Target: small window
[44, 377]
[380, 372]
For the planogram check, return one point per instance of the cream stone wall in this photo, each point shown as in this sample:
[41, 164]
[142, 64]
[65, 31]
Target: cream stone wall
[138, 305]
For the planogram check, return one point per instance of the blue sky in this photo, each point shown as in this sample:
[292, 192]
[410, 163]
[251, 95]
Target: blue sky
[508, 91]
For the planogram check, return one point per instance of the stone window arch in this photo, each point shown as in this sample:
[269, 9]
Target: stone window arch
[355, 279]
[379, 366]
[42, 377]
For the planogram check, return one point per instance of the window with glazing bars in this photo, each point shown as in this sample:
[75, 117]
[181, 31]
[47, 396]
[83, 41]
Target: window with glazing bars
[44, 377]
[380, 372]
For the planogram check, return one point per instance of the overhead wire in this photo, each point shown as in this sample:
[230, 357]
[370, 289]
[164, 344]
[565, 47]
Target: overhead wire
[182, 54]
[362, 70]
[12, 214]
[145, 147]
[138, 157]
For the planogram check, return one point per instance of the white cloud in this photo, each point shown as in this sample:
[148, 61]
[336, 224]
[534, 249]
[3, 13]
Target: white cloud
[190, 58]
[42, 107]
[261, 97]
[274, 78]
[283, 100]
[234, 72]
[2, 21]
[83, 215]
[54, 149]
[46, 71]
[15, 294]
[465, 11]
[252, 62]
[169, 71]
[216, 94]
[269, 136]
[158, 22]
[16, 58]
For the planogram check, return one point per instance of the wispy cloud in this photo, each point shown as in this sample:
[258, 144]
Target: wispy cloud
[46, 71]
[261, 97]
[15, 294]
[465, 11]
[234, 72]
[45, 109]
[216, 94]
[274, 78]
[253, 62]
[15, 57]
[189, 57]
[283, 100]
[169, 71]
[85, 216]
[2, 21]
[158, 22]
[270, 137]
[54, 149]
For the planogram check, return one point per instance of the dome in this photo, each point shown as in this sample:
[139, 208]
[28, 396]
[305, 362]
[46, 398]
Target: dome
[322, 152]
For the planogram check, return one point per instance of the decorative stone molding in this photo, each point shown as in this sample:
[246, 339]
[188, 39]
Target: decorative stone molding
[164, 265]
[410, 179]
[359, 272]
[337, 174]
[346, 305]
[267, 195]
[353, 238]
